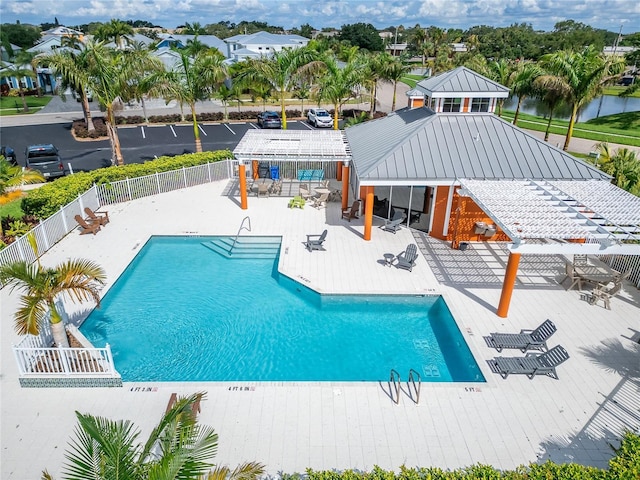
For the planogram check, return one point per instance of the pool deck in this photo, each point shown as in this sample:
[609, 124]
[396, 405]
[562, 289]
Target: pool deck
[292, 426]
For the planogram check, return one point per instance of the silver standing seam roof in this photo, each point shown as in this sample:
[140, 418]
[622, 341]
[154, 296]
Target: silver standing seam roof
[461, 81]
[418, 147]
[294, 145]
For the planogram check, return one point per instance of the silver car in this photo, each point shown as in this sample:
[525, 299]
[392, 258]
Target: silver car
[319, 117]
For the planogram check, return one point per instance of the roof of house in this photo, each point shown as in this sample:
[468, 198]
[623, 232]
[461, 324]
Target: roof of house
[414, 146]
[61, 30]
[208, 40]
[266, 38]
[460, 81]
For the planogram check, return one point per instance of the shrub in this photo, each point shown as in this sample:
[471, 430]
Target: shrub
[46, 200]
[80, 128]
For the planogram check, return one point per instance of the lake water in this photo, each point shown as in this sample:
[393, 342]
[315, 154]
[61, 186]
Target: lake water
[606, 105]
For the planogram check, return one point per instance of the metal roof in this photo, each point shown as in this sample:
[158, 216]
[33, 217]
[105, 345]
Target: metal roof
[461, 81]
[418, 147]
[327, 145]
[529, 210]
[266, 38]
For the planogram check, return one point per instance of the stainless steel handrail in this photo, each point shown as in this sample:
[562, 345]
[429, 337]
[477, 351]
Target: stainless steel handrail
[238, 234]
[396, 384]
[412, 381]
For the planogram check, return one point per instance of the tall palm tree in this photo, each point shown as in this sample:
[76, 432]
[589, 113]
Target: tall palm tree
[550, 91]
[393, 72]
[24, 57]
[193, 79]
[72, 66]
[338, 83]
[177, 448]
[375, 70]
[19, 73]
[116, 30]
[500, 71]
[584, 73]
[80, 280]
[302, 93]
[418, 40]
[282, 71]
[226, 94]
[13, 176]
[522, 83]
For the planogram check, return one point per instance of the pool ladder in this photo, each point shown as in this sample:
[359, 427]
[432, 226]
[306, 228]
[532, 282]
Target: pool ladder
[414, 383]
[239, 230]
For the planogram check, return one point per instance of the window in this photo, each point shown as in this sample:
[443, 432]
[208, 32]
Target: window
[451, 104]
[480, 104]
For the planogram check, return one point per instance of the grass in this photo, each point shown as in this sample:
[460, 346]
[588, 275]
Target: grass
[411, 80]
[623, 128]
[13, 105]
[10, 205]
[616, 89]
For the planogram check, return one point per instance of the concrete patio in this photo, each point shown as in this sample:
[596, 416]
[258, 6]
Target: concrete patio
[292, 426]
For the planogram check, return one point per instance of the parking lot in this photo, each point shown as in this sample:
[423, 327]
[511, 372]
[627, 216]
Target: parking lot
[139, 143]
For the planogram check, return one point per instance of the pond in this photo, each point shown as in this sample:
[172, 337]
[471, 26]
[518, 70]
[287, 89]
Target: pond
[599, 107]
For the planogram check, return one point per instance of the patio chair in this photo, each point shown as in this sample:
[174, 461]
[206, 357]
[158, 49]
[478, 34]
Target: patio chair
[314, 242]
[393, 225]
[601, 292]
[572, 276]
[352, 212]
[297, 202]
[87, 227]
[532, 364]
[525, 340]
[407, 259]
[195, 407]
[97, 217]
[304, 191]
[320, 201]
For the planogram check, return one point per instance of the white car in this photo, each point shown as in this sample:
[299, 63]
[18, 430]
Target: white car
[319, 117]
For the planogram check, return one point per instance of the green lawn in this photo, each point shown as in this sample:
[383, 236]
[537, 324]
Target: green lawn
[411, 80]
[11, 209]
[623, 128]
[13, 105]
[615, 90]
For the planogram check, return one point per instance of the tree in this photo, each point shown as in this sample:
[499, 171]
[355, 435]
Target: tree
[282, 71]
[418, 40]
[551, 92]
[393, 71]
[584, 73]
[302, 93]
[338, 83]
[225, 94]
[79, 279]
[116, 30]
[24, 36]
[522, 83]
[193, 29]
[500, 71]
[363, 35]
[24, 58]
[192, 80]
[375, 70]
[19, 73]
[14, 175]
[177, 448]
[623, 165]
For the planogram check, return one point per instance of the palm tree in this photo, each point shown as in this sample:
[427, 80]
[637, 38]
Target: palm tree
[79, 279]
[193, 79]
[500, 71]
[225, 94]
[194, 28]
[24, 57]
[302, 93]
[393, 72]
[178, 447]
[551, 92]
[522, 83]
[623, 165]
[376, 63]
[584, 73]
[19, 73]
[338, 83]
[72, 66]
[281, 71]
[418, 40]
[115, 30]
[13, 176]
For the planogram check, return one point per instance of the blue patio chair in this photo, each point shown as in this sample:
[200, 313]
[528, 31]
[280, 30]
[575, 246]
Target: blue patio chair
[525, 340]
[532, 364]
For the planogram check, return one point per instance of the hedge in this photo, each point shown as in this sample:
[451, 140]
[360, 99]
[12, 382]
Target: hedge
[47, 200]
[625, 465]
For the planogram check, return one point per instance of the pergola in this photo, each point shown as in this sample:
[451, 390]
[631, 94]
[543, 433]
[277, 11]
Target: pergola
[557, 217]
[294, 145]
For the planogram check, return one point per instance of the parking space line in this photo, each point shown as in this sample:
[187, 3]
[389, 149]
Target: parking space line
[253, 126]
[307, 125]
[173, 131]
[142, 130]
[202, 130]
[229, 128]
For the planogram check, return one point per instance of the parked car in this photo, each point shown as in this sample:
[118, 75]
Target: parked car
[269, 120]
[9, 154]
[319, 117]
[46, 159]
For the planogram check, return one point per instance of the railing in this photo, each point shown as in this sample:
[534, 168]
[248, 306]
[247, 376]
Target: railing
[394, 382]
[81, 362]
[413, 375]
[239, 230]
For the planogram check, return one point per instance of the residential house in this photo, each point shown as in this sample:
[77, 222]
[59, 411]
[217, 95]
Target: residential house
[255, 45]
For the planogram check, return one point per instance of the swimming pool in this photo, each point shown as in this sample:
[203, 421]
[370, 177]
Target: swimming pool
[182, 312]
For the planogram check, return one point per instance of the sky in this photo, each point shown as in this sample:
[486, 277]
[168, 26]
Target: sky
[541, 14]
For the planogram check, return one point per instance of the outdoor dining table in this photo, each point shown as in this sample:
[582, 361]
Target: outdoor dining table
[322, 190]
[596, 273]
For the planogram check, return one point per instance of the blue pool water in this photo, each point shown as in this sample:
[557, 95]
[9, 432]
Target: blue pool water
[182, 312]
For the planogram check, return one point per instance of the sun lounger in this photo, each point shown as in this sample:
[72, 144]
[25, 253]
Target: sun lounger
[525, 340]
[532, 364]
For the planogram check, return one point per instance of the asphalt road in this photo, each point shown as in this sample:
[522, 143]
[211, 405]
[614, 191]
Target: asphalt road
[138, 143]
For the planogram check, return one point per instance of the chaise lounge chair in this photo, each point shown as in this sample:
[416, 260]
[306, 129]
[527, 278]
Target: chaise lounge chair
[532, 364]
[407, 259]
[314, 242]
[352, 212]
[393, 225]
[87, 227]
[525, 340]
[97, 217]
